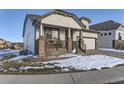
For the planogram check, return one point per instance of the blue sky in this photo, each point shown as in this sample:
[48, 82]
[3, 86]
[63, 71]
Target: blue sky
[11, 21]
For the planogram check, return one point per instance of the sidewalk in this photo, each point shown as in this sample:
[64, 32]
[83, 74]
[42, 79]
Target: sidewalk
[91, 77]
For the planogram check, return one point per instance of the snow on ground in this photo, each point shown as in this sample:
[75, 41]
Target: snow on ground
[9, 51]
[5, 52]
[88, 62]
[68, 55]
[113, 50]
[20, 57]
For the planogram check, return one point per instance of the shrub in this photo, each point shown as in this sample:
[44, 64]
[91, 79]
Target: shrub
[105, 67]
[17, 65]
[8, 65]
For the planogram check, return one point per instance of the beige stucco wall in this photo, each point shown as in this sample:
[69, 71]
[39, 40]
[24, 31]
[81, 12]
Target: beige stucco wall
[121, 28]
[88, 34]
[60, 20]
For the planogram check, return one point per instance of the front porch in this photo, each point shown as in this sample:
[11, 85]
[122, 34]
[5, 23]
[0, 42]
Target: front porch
[56, 40]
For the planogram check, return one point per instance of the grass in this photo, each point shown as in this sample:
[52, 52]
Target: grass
[17, 65]
[9, 56]
[119, 65]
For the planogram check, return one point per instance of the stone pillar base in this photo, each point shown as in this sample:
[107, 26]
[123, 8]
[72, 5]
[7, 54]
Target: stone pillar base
[41, 47]
[69, 45]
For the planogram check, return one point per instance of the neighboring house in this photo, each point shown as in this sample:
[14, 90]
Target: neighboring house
[57, 32]
[2, 43]
[8, 44]
[17, 45]
[111, 34]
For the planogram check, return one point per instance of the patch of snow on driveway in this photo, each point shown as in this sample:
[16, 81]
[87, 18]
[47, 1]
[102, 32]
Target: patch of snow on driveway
[113, 50]
[88, 62]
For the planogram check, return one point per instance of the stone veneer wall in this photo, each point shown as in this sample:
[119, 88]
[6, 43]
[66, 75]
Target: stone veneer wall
[69, 44]
[41, 47]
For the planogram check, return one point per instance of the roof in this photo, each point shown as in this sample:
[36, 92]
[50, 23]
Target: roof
[106, 26]
[38, 18]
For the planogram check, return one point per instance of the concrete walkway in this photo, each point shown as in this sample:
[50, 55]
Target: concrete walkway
[91, 77]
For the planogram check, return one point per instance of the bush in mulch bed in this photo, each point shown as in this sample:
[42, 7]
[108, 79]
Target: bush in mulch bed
[119, 65]
[44, 70]
[16, 65]
[93, 69]
[105, 67]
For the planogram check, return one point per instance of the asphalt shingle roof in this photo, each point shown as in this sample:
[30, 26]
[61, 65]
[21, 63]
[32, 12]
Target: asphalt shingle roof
[105, 26]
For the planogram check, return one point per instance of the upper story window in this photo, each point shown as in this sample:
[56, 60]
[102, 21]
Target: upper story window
[105, 34]
[119, 36]
[110, 33]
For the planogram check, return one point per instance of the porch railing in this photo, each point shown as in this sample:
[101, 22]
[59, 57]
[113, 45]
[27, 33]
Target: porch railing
[55, 44]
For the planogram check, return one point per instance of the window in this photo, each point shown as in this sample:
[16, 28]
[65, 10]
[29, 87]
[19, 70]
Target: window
[101, 34]
[49, 34]
[105, 34]
[119, 36]
[110, 33]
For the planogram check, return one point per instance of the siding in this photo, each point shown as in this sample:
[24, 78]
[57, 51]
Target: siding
[60, 20]
[106, 41]
[29, 37]
[122, 34]
[88, 34]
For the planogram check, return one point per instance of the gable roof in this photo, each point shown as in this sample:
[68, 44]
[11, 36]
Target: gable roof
[106, 26]
[38, 18]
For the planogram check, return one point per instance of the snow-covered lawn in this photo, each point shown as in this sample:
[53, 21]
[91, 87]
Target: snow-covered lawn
[71, 63]
[87, 62]
[8, 51]
[113, 50]
[17, 57]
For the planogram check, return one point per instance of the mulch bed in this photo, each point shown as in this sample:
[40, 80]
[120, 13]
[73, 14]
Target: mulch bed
[44, 59]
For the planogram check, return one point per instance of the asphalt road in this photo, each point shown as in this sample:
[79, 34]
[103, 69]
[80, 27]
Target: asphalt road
[91, 77]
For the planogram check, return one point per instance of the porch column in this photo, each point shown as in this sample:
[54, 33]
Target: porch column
[69, 47]
[81, 41]
[41, 48]
[81, 34]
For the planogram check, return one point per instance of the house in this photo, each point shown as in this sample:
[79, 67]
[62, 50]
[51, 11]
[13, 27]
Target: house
[111, 34]
[2, 43]
[17, 45]
[57, 32]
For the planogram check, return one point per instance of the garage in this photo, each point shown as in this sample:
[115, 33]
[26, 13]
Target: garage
[90, 43]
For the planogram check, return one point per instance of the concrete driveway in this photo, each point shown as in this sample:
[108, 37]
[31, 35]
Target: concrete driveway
[91, 77]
